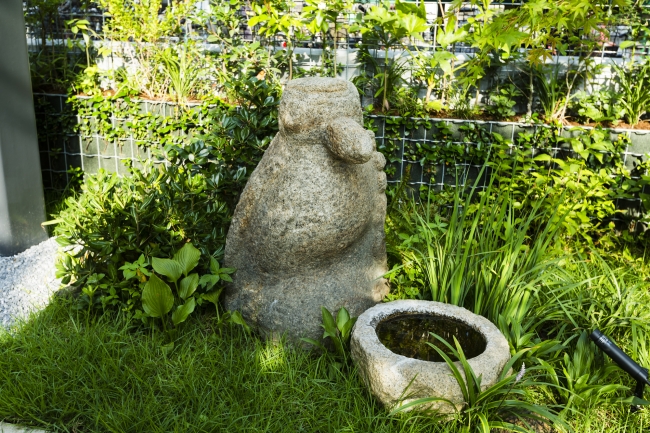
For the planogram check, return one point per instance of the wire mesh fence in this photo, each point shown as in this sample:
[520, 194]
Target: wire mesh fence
[46, 26]
[405, 146]
[57, 46]
[63, 146]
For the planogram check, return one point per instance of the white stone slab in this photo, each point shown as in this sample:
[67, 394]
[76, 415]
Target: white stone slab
[11, 428]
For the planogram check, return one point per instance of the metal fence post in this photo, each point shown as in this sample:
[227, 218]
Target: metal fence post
[22, 208]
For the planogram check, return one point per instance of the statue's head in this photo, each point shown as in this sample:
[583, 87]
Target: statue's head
[308, 104]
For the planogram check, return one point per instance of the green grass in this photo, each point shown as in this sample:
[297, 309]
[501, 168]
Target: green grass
[60, 372]
[66, 371]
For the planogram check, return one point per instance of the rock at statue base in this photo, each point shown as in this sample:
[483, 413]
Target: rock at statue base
[308, 230]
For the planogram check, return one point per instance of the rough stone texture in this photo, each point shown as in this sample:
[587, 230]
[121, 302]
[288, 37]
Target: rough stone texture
[308, 230]
[388, 374]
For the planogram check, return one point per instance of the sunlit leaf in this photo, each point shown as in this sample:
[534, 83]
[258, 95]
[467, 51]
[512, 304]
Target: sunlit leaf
[157, 297]
[188, 257]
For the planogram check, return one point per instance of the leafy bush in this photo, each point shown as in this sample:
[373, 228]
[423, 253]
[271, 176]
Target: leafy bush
[236, 140]
[114, 221]
[126, 223]
[503, 100]
[599, 106]
[580, 174]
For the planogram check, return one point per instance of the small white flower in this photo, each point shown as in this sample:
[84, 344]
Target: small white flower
[322, 6]
[521, 373]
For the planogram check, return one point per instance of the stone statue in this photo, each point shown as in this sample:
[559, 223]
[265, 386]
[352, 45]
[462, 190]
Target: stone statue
[308, 230]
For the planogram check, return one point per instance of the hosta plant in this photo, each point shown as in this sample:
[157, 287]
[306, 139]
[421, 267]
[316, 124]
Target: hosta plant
[190, 289]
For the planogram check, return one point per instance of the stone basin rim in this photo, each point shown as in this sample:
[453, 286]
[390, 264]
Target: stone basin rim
[388, 375]
[373, 316]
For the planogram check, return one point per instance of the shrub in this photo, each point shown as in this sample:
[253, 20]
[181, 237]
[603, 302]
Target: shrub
[503, 101]
[152, 213]
[189, 196]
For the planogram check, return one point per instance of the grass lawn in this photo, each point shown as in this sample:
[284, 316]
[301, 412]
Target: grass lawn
[67, 371]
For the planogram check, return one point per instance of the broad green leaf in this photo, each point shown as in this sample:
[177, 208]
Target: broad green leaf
[157, 297]
[347, 328]
[188, 257]
[63, 241]
[213, 296]
[183, 311]
[167, 267]
[253, 21]
[443, 59]
[188, 285]
[414, 26]
[627, 44]
[328, 322]
[406, 9]
[450, 34]
[577, 146]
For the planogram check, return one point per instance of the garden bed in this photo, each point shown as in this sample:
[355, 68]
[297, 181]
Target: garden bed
[542, 248]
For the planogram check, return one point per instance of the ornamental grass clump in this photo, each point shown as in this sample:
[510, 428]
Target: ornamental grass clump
[501, 406]
[633, 81]
[519, 266]
[485, 255]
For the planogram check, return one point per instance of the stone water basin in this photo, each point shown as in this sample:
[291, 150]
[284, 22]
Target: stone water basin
[404, 326]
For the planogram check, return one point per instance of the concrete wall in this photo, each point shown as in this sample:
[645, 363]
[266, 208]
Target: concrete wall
[22, 207]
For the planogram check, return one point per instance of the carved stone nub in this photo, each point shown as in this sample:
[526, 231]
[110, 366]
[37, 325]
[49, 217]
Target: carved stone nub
[308, 230]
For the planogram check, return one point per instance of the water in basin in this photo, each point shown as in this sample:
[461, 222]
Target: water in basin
[408, 335]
